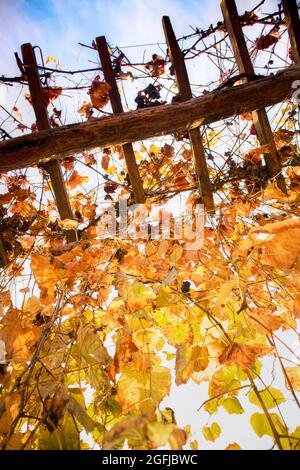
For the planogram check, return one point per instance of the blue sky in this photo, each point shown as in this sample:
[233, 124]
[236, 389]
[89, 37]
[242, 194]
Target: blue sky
[58, 25]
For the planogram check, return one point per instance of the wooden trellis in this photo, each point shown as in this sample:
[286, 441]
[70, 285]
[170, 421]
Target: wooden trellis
[259, 116]
[185, 93]
[116, 104]
[42, 122]
[48, 145]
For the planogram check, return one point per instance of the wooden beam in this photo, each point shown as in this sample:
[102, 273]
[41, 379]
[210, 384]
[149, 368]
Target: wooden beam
[293, 25]
[3, 256]
[116, 104]
[52, 144]
[259, 116]
[185, 92]
[42, 121]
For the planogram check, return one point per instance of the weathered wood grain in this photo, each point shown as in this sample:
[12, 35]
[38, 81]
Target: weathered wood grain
[39, 147]
[259, 116]
[42, 121]
[116, 104]
[185, 92]
[293, 25]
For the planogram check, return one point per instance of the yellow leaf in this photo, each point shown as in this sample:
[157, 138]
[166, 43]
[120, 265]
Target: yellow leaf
[146, 340]
[233, 446]
[280, 242]
[232, 405]
[270, 396]
[79, 412]
[294, 376]
[19, 339]
[190, 360]
[49, 59]
[194, 445]
[261, 425]
[45, 273]
[63, 438]
[68, 224]
[184, 364]
[18, 440]
[132, 428]
[211, 433]
[111, 170]
[296, 307]
[178, 333]
[176, 255]
[145, 390]
[154, 150]
[26, 242]
[138, 296]
[177, 439]
[159, 433]
[224, 292]
[32, 305]
[211, 406]
[9, 409]
[90, 347]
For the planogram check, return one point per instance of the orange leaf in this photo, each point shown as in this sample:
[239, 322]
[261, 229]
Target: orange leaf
[105, 161]
[243, 354]
[19, 340]
[76, 180]
[99, 93]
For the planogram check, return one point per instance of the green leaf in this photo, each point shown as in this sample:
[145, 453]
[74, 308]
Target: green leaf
[211, 433]
[270, 396]
[232, 405]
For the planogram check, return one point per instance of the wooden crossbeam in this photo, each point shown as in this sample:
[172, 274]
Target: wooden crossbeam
[259, 116]
[185, 92]
[52, 144]
[42, 121]
[293, 25]
[116, 104]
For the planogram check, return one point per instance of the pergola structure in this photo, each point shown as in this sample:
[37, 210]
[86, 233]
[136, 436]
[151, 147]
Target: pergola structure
[46, 146]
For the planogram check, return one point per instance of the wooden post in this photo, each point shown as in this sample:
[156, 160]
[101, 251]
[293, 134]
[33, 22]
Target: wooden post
[3, 256]
[116, 104]
[259, 117]
[42, 121]
[293, 25]
[185, 92]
